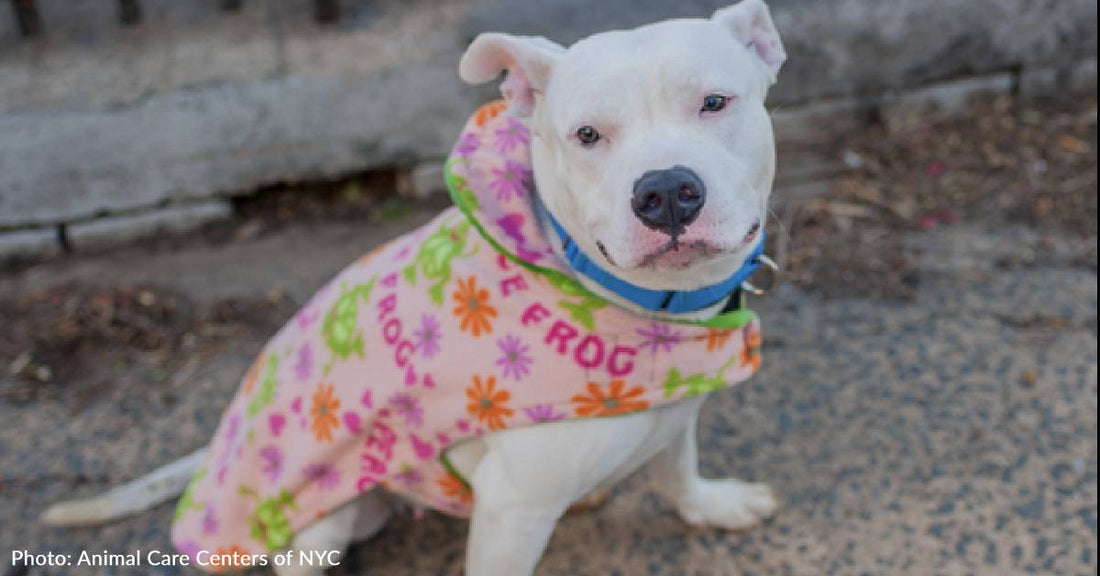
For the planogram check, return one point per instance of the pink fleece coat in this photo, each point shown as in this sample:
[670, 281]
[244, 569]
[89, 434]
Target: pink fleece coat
[462, 327]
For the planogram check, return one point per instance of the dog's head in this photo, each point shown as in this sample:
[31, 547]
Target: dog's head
[651, 146]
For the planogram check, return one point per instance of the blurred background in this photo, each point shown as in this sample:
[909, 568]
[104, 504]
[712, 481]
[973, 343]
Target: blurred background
[178, 176]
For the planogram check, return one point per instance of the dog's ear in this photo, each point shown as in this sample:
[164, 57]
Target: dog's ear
[750, 21]
[528, 60]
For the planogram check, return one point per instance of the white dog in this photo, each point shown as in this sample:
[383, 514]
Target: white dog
[653, 149]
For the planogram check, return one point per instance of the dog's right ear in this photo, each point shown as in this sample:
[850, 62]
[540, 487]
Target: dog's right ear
[528, 60]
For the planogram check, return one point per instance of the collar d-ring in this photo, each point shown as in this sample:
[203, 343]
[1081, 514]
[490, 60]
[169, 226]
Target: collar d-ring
[771, 279]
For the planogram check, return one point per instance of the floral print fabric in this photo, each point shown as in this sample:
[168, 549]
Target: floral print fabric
[460, 328]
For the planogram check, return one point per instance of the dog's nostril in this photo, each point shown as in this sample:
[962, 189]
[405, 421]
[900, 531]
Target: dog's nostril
[688, 195]
[652, 202]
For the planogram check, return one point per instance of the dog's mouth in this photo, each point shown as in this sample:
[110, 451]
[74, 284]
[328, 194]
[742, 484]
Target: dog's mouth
[679, 255]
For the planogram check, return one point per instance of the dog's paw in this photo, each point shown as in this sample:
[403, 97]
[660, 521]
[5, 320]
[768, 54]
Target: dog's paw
[730, 504]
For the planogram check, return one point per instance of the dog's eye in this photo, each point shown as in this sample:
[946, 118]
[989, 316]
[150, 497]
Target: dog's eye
[714, 103]
[587, 135]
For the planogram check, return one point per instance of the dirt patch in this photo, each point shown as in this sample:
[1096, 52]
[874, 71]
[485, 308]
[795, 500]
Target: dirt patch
[1005, 162]
[75, 342]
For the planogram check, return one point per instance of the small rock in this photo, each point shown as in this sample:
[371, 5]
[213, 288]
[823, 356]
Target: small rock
[147, 298]
[424, 181]
[19, 364]
[248, 231]
[853, 160]
[43, 373]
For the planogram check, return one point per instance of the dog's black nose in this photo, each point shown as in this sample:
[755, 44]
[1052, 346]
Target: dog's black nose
[668, 200]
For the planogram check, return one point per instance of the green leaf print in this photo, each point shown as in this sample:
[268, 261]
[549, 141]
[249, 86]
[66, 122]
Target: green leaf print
[268, 522]
[340, 328]
[696, 384]
[265, 394]
[732, 320]
[187, 500]
[579, 302]
[434, 258]
[465, 196]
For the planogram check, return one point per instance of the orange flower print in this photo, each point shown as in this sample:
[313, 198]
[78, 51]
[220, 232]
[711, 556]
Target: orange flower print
[752, 337]
[717, 338]
[751, 355]
[253, 375]
[488, 404]
[325, 405]
[472, 307]
[489, 111]
[454, 488]
[611, 402]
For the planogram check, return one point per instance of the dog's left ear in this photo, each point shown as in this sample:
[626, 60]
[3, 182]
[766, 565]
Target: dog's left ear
[750, 21]
[528, 60]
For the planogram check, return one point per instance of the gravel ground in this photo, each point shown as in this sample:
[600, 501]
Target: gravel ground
[928, 402]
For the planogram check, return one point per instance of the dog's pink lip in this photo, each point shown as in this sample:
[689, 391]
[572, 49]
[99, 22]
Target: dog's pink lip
[754, 233]
[679, 255]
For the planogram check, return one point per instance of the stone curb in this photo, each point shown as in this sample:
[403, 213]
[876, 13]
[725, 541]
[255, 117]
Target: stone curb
[33, 243]
[811, 125]
[114, 230]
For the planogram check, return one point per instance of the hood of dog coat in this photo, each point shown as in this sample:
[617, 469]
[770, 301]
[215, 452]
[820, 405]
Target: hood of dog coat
[462, 327]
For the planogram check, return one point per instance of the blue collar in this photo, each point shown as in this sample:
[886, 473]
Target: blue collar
[673, 301]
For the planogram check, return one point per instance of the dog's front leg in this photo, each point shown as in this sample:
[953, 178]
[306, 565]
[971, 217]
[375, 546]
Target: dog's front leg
[511, 523]
[729, 503]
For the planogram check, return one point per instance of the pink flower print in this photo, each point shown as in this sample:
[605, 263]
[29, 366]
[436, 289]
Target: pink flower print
[512, 134]
[275, 423]
[209, 522]
[303, 368]
[273, 462]
[512, 226]
[352, 422]
[543, 413]
[408, 407]
[408, 476]
[511, 181]
[659, 336]
[423, 448]
[189, 548]
[426, 338]
[467, 145]
[307, 317]
[514, 359]
[325, 476]
[232, 429]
